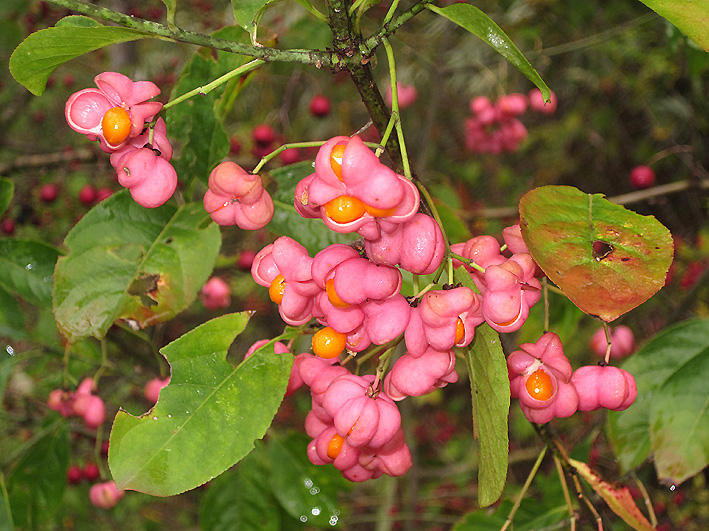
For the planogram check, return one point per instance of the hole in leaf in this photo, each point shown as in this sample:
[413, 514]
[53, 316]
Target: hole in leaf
[601, 250]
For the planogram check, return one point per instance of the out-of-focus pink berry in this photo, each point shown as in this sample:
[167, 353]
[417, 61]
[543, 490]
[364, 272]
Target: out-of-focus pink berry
[62, 402]
[642, 177]
[236, 197]
[152, 388]
[90, 472]
[105, 495]
[8, 226]
[49, 192]
[245, 259]
[234, 145]
[103, 193]
[74, 474]
[85, 110]
[263, 134]
[290, 156]
[87, 195]
[92, 408]
[622, 342]
[215, 294]
[512, 104]
[320, 105]
[407, 95]
[537, 103]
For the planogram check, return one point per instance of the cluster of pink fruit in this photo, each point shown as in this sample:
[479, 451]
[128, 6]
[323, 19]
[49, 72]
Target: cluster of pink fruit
[355, 294]
[116, 114]
[104, 494]
[82, 403]
[495, 127]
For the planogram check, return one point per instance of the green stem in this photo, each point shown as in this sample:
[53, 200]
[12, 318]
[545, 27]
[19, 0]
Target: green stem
[313, 57]
[395, 109]
[209, 87]
[525, 487]
[390, 13]
[469, 261]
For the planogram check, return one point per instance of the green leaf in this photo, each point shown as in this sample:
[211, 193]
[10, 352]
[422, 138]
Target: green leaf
[312, 234]
[37, 481]
[664, 356]
[34, 60]
[77, 21]
[116, 249]
[12, 320]
[26, 269]
[619, 500]
[5, 511]
[196, 123]
[490, 392]
[679, 421]
[689, 17]
[605, 258]
[478, 23]
[307, 492]
[241, 498]
[7, 189]
[248, 13]
[206, 419]
[171, 6]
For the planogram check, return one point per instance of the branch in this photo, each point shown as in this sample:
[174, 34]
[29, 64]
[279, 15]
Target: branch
[313, 57]
[346, 45]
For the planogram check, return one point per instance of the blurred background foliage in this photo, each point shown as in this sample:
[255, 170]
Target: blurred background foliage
[631, 90]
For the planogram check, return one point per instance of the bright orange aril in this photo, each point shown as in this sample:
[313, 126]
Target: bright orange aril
[379, 212]
[344, 209]
[335, 446]
[332, 295]
[116, 125]
[336, 160]
[539, 385]
[276, 289]
[459, 331]
[328, 344]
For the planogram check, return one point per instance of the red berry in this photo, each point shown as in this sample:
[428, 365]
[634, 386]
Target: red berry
[320, 106]
[8, 226]
[290, 156]
[49, 193]
[246, 258]
[103, 193]
[263, 134]
[87, 195]
[74, 474]
[642, 177]
[91, 471]
[68, 81]
[234, 145]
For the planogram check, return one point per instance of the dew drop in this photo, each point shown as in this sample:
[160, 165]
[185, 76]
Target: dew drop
[303, 518]
[314, 491]
[155, 418]
[308, 483]
[333, 520]
[169, 416]
[673, 487]
[315, 511]
[28, 267]
[9, 350]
